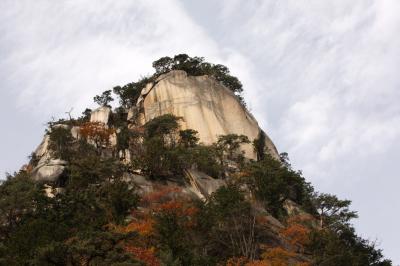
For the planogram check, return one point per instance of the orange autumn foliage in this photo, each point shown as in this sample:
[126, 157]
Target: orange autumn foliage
[304, 219]
[171, 206]
[257, 263]
[242, 174]
[303, 264]
[28, 168]
[143, 227]
[191, 211]
[96, 132]
[273, 262]
[160, 195]
[236, 261]
[278, 257]
[178, 207]
[267, 263]
[168, 199]
[296, 234]
[145, 255]
[261, 219]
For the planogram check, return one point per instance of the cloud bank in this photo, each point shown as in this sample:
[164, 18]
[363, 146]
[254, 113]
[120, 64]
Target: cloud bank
[324, 83]
[60, 54]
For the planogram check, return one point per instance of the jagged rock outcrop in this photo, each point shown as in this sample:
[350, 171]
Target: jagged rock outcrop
[49, 171]
[201, 184]
[197, 184]
[43, 147]
[204, 104]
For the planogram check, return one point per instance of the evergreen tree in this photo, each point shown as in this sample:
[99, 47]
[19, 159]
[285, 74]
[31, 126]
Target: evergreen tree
[104, 99]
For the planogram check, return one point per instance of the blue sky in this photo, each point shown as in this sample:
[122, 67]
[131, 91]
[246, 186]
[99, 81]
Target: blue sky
[320, 77]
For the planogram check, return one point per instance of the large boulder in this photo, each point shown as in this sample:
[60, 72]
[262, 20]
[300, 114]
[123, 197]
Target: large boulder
[101, 115]
[75, 132]
[204, 104]
[49, 171]
[43, 150]
[202, 184]
[197, 184]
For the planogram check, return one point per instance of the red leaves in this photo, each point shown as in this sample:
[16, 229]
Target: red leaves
[278, 257]
[96, 132]
[257, 263]
[296, 234]
[146, 255]
[144, 227]
[171, 207]
[236, 261]
[163, 194]
[169, 199]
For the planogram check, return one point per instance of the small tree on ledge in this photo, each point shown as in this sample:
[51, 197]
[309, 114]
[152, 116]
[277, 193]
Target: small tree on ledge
[104, 99]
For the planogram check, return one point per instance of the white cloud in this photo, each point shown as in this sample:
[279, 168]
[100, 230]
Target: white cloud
[66, 52]
[327, 70]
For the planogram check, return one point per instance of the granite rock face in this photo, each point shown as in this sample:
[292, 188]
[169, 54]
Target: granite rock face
[204, 104]
[101, 115]
[48, 168]
[43, 147]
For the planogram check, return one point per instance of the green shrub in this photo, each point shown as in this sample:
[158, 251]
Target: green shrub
[205, 159]
[129, 93]
[161, 126]
[273, 183]
[61, 141]
[259, 145]
[168, 151]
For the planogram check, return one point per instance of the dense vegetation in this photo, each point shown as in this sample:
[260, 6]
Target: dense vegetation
[95, 213]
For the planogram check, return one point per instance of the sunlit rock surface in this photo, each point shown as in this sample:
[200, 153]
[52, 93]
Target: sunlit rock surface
[101, 115]
[43, 147]
[204, 104]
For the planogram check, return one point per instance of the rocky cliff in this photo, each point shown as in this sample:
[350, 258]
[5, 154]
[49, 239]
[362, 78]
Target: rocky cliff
[205, 106]
[203, 103]
[171, 177]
